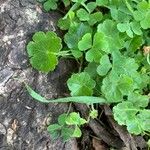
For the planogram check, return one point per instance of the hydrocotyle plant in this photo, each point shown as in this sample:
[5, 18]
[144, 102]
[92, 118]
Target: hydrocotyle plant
[111, 41]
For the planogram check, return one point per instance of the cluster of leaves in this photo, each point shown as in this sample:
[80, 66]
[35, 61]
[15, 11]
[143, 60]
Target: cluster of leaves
[68, 126]
[106, 36]
[53, 4]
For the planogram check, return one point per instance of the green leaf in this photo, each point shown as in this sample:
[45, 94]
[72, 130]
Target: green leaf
[142, 14]
[129, 33]
[143, 5]
[76, 53]
[54, 130]
[122, 27]
[98, 48]
[125, 84]
[137, 120]
[124, 65]
[127, 66]
[77, 99]
[75, 119]
[99, 42]
[81, 84]
[66, 2]
[110, 88]
[62, 119]
[115, 87]
[77, 132]
[53, 127]
[104, 66]
[122, 80]
[91, 6]
[101, 2]
[82, 14]
[124, 111]
[64, 24]
[111, 35]
[91, 69]
[136, 28]
[86, 42]
[138, 100]
[138, 16]
[74, 35]
[133, 126]
[94, 114]
[94, 18]
[71, 16]
[43, 51]
[145, 23]
[134, 44]
[120, 14]
[79, 1]
[93, 55]
[50, 4]
[144, 117]
[125, 27]
[66, 133]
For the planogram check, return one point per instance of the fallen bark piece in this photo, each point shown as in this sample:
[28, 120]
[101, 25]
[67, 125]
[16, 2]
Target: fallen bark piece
[98, 145]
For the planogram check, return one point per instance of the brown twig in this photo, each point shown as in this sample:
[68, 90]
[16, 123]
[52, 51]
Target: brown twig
[99, 130]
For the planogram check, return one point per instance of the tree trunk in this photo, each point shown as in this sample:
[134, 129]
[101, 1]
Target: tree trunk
[23, 121]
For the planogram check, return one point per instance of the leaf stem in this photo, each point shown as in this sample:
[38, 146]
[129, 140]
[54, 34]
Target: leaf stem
[83, 4]
[74, 7]
[63, 53]
[148, 58]
[129, 6]
[147, 133]
[69, 108]
[81, 63]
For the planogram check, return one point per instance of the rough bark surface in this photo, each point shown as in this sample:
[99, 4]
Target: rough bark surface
[22, 120]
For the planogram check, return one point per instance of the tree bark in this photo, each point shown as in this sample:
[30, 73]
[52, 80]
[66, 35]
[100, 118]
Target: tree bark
[22, 120]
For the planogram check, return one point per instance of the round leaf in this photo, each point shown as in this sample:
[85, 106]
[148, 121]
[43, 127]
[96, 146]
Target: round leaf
[43, 51]
[86, 42]
[81, 84]
[77, 132]
[83, 14]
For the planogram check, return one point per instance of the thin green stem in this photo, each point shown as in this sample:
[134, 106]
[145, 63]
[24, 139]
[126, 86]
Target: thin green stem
[148, 58]
[69, 109]
[81, 63]
[83, 4]
[64, 53]
[147, 133]
[73, 8]
[99, 93]
[92, 107]
[129, 6]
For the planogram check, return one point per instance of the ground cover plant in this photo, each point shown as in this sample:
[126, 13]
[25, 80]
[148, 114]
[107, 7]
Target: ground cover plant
[110, 40]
